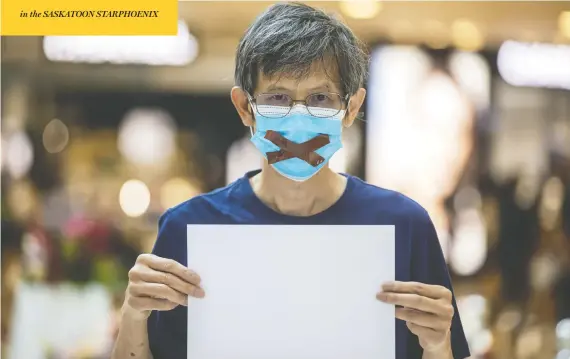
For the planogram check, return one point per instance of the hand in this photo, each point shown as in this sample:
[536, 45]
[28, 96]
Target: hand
[157, 283]
[426, 309]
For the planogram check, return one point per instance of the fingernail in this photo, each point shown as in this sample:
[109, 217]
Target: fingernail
[382, 296]
[200, 293]
[387, 285]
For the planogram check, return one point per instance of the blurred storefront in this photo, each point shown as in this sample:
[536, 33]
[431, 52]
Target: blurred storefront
[468, 113]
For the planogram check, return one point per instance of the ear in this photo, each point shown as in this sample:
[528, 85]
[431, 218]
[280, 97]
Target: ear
[242, 105]
[354, 104]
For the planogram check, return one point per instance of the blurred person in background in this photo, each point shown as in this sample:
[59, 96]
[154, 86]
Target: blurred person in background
[299, 76]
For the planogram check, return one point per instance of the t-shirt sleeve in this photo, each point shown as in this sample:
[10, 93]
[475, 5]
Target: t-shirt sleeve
[167, 329]
[429, 266]
[170, 239]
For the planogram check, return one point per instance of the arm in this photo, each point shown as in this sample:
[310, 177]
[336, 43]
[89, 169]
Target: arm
[443, 352]
[155, 283]
[132, 341]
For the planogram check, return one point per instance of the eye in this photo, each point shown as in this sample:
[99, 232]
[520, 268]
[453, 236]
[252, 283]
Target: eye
[321, 97]
[323, 100]
[278, 97]
[274, 99]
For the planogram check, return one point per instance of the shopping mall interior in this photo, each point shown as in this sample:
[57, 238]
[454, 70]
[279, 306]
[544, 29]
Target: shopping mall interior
[467, 112]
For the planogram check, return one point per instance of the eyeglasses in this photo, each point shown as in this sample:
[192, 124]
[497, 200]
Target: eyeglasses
[277, 105]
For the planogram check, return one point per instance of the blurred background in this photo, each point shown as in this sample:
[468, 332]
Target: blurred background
[468, 112]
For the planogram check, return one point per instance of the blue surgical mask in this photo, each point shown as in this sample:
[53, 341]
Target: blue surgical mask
[299, 126]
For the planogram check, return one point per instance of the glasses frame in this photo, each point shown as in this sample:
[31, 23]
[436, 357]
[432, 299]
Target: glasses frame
[345, 101]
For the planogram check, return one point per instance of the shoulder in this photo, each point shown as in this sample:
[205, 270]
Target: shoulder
[386, 202]
[207, 208]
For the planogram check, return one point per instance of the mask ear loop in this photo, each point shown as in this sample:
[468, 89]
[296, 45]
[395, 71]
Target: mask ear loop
[249, 99]
[346, 110]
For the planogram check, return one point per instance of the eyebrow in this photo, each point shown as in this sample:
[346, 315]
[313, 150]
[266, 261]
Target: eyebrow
[321, 87]
[324, 86]
[277, 88]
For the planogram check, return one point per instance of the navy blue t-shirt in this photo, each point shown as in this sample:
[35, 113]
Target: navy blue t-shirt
[418, 253]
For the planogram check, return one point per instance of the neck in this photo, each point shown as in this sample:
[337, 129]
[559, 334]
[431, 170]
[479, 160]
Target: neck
[298, 198]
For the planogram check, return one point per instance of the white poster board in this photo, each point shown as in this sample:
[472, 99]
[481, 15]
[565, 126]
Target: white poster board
[291, 292]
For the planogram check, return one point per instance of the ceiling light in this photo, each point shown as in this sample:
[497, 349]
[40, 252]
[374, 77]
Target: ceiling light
[177, 50]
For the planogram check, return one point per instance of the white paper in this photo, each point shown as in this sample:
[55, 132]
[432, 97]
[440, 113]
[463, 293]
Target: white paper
[291, 292]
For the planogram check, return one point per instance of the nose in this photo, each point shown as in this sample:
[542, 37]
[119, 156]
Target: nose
[298, 106]
[296, 122]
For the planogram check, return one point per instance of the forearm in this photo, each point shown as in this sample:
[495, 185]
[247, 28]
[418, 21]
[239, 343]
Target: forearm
[132, 341]
[444, 352]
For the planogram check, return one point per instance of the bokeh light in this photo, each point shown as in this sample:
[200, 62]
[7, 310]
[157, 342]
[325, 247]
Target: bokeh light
[147, 136]
[544, 270]
[551, 203]
[22, 199]
[19, 154]
[361, 9]
[563, 354]
[469, 250]
[55, 136]
[175, 191]
[466, 35]
[529, 343]
[534, 65]
[436, 34]
[508, 320]
[473, 74]
[134, 198]
[564, 24]
[474, 309]
[563, 333]
[242, 156]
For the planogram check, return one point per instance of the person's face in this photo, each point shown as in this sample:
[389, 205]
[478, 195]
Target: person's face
[321, 79]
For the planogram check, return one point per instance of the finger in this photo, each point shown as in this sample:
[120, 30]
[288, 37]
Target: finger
[146, 303]
[156, 290]
[149, 275]
[423, 319]
[425, 290]
[412, 301]
[170, 266]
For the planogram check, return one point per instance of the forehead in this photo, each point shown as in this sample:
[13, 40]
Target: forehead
[319, 76]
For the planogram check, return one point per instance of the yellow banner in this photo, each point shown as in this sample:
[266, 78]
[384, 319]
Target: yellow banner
[89, 17]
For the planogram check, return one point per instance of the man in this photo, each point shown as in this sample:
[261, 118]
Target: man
[299, 76]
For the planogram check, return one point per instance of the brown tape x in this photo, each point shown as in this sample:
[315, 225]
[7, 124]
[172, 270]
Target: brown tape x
[289, 149]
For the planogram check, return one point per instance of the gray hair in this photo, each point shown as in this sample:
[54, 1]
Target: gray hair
[287, 39]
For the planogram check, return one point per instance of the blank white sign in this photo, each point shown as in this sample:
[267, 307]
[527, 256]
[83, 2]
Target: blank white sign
[291, 292]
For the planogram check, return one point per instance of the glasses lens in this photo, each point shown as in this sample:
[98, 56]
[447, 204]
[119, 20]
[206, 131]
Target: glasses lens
[325, 104]
[273, 104]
